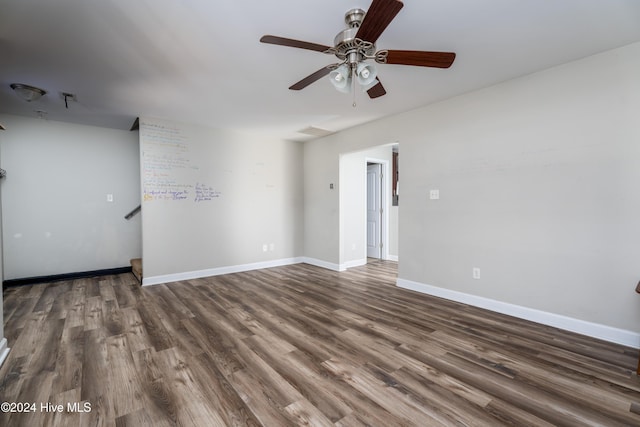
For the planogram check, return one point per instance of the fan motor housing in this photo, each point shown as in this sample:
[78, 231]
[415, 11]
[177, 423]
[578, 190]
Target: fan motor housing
[354, 17]
[346, 44]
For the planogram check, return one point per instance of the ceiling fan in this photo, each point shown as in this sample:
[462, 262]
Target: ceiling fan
[356, 44]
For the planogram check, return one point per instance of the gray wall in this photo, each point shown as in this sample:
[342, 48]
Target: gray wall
[56, 218]
[258, 186]
[321, 204]
[538, 188]
[3, 343]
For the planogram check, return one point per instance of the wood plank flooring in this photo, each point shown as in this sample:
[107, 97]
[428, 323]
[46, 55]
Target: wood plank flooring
[298, 345]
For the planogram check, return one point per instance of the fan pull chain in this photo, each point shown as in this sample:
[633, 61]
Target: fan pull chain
[353, 89]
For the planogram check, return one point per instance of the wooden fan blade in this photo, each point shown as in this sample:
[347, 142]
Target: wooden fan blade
[377, 91]
[378, 17]
[421, 58]
[281, 41]
[311, 78]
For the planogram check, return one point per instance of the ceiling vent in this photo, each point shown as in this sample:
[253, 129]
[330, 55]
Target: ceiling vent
[313, 131]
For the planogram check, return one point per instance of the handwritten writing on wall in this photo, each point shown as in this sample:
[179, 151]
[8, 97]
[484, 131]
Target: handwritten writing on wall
[168, 170]
[165, 194]
[205, 193]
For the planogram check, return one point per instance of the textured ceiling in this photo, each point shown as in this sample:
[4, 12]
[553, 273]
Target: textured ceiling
[200, 61]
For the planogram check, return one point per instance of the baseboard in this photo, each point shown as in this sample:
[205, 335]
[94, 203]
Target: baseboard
[392, 258]
[322, 264]
[189, 275]
[335, 267]
[65, 276]
[594, 330]
[355, 263]
[4, 350]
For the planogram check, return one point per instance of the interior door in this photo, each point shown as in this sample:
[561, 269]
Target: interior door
[374, 210]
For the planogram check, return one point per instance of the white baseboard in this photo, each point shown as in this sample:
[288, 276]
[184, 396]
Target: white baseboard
[4, 350]
[188, 275]
[595, 330]
[355, 263]
[392, 258]
[322, 264]
[335, 267]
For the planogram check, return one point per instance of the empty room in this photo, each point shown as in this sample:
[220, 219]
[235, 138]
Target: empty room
[323, 213]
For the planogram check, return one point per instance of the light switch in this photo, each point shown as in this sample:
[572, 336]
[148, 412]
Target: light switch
[109, 197]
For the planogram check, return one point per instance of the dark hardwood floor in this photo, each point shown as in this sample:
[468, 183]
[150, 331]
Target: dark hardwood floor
[297, 345]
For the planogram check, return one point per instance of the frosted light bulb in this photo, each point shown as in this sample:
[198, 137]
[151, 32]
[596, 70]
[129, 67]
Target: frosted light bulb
[339, 77]
[365, 73]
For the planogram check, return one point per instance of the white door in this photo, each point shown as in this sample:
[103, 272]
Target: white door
[374, 210]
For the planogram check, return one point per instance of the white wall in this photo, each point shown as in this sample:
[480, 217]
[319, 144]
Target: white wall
[538, 182]
[259, 202]
[56, 218]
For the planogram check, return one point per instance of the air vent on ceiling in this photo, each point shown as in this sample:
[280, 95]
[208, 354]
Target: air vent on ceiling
[313, 131]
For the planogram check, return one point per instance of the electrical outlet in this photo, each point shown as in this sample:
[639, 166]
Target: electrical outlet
[272, 247]
[476, 273]
[265, 248]
[109, 197]
[434, 194]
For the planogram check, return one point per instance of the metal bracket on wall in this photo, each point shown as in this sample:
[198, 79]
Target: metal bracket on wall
[3, 173]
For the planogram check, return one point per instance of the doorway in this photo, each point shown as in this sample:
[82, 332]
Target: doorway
[367, 225]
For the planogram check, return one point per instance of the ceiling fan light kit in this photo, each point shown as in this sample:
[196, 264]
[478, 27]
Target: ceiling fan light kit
[341, 78]
[355, 45]
[26, 92]
[366, 73]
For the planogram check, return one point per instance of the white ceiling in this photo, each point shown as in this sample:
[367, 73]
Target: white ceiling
[200, 61]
